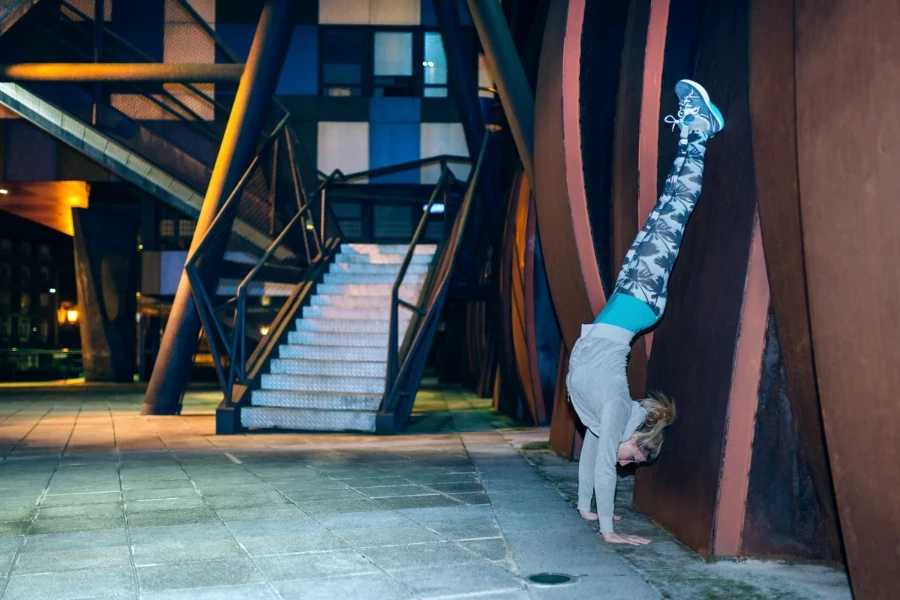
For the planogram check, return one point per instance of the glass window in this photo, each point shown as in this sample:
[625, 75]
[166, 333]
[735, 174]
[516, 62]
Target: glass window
[5, 246]
[435, 63]
[45, 299]
[45, 274]
[6, 326]
[26, 249]
[167, 228]
[44, 251]
[24, 301]
[45, 330]
[25, 274]
[342, 63]
[5, 274]
[185, 228]
[393, 53]
[435, 92]
[5, 298]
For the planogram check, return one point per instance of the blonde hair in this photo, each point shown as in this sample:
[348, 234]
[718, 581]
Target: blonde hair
[660, 414]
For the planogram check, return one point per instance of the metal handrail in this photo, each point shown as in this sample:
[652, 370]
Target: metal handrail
[150, 59]
[394, 369]
[236, 372]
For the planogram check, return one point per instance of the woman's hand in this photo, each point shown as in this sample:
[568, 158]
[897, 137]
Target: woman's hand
[611, 537]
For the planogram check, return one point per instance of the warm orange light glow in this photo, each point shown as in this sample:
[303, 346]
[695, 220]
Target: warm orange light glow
[264, 330]
[4, 192]
[67, 314]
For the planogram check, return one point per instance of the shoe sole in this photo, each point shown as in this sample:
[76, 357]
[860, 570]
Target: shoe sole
[712, 107]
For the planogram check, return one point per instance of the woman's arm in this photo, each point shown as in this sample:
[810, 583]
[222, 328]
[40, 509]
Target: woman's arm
[612, 423]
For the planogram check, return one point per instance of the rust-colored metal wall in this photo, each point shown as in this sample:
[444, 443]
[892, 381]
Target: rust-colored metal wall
[694, 347]
[773, 124]
[709, 352]
[848, 150]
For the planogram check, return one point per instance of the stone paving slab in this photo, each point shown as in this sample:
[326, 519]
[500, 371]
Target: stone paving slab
[98, 501]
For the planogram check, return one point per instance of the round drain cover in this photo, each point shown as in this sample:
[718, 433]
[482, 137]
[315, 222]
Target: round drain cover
[552, 579]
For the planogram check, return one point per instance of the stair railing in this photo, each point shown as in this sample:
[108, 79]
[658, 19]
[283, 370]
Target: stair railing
[236, 364]
[231, 355]
[431, 297]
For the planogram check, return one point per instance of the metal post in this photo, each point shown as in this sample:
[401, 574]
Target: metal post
[173, 366]
[98, 53]
[512, 85]
[464, 88]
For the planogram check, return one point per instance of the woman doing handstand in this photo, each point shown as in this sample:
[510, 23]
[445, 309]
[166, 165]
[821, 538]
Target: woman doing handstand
[620, 429]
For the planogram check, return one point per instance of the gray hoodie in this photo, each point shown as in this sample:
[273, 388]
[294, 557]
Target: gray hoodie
[598, 389]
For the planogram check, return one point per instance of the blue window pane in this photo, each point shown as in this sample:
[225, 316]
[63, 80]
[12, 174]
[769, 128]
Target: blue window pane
[435, 92]
[393, 53]
[435, 64]
[341, 73]
[394, 110]
[298, 77]
[393, 144]
[238, 37]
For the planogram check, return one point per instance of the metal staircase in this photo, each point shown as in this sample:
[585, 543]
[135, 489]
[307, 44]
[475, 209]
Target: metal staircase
[330, 374]
[13, 10]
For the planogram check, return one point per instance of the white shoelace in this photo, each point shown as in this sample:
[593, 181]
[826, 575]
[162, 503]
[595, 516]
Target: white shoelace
[685, 110]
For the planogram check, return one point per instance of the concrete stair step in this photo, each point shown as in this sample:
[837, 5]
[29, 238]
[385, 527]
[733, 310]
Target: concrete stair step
[264, 417]
[349, 326]
[322, 383]
[366, 289]
[377, 268]
[350, 313]
[323, 338]
[386, 248]
[316, 400]
[366, 278]
[330, 368]
[308, 352]
[382, 259]
[341, 301]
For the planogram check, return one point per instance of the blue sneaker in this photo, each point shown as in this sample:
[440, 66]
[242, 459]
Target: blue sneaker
[695, 110]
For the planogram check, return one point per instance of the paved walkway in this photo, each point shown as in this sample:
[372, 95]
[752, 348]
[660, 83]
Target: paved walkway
[99, 502]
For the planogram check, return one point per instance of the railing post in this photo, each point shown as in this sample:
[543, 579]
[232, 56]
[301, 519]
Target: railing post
[99, 9]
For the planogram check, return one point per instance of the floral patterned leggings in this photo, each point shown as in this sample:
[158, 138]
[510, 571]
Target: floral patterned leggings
[648, 264]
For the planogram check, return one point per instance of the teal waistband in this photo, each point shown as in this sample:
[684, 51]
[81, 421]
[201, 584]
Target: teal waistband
[628, 313]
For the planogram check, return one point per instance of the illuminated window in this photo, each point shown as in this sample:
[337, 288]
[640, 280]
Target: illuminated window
[167, 228]
[186, 228]
[24, 301]
[434, 66]
[393, 53]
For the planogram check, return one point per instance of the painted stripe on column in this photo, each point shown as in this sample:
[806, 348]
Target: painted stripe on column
[742, 403]
[648, 152]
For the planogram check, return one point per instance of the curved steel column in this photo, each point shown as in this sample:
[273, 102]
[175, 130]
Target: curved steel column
[572, 267]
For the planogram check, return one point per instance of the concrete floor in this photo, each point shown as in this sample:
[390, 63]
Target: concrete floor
[99, 502]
